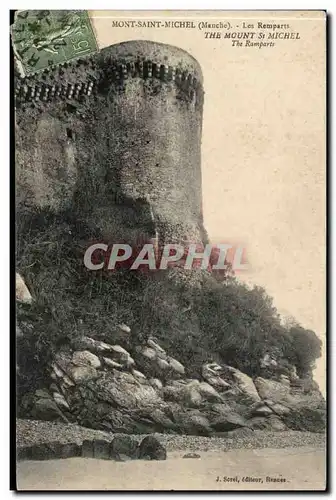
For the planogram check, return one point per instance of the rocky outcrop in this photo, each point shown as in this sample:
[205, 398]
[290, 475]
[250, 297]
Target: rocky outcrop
[299, 405]
[151, 449]
[141, 389]
[243, 383]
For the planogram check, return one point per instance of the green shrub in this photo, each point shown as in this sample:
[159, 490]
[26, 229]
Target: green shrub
[195, 316]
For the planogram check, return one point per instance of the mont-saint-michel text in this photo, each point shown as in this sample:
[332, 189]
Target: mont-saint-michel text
[201, 25]
[257, 34]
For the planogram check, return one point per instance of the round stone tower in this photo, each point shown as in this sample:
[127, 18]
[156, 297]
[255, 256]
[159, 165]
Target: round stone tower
[114, 142]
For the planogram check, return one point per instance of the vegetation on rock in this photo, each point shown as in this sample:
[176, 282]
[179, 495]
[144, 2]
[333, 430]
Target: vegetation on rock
[195, 316]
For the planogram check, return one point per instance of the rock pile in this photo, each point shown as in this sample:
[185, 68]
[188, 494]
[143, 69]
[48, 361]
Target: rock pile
[141, 389]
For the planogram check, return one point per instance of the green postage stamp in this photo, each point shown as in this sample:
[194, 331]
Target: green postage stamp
[43, 38]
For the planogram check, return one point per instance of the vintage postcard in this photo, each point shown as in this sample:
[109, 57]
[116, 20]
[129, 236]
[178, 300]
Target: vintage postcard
[170, 178]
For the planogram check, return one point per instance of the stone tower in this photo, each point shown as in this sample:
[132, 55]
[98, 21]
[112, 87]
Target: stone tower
[114, 143]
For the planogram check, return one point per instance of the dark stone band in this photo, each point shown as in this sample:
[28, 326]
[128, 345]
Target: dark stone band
[116, 64]
[121, 448]
[27, 90]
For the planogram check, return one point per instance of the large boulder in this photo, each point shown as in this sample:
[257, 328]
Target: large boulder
[72, 372]
[123, 329]
[140, 377]
[123, 390]
[208, 392]
[218, 383]
[271, 389]
[44, 407]
[176, 367]
[148, 353]
[86, 358]
[101, 449]
[299, 408]
[161, 421]
[83, 373]
[156, 383]
[277, 408]
[260, 409]
[270, 423]
[185, 394]
[289, 396]
[150, 448]
[190, 393]
[195, 423]
[115, 352]
[109, 363]
[124, 448]
[240, 383]
[49, 451]
[228, 422]
[276, 423]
